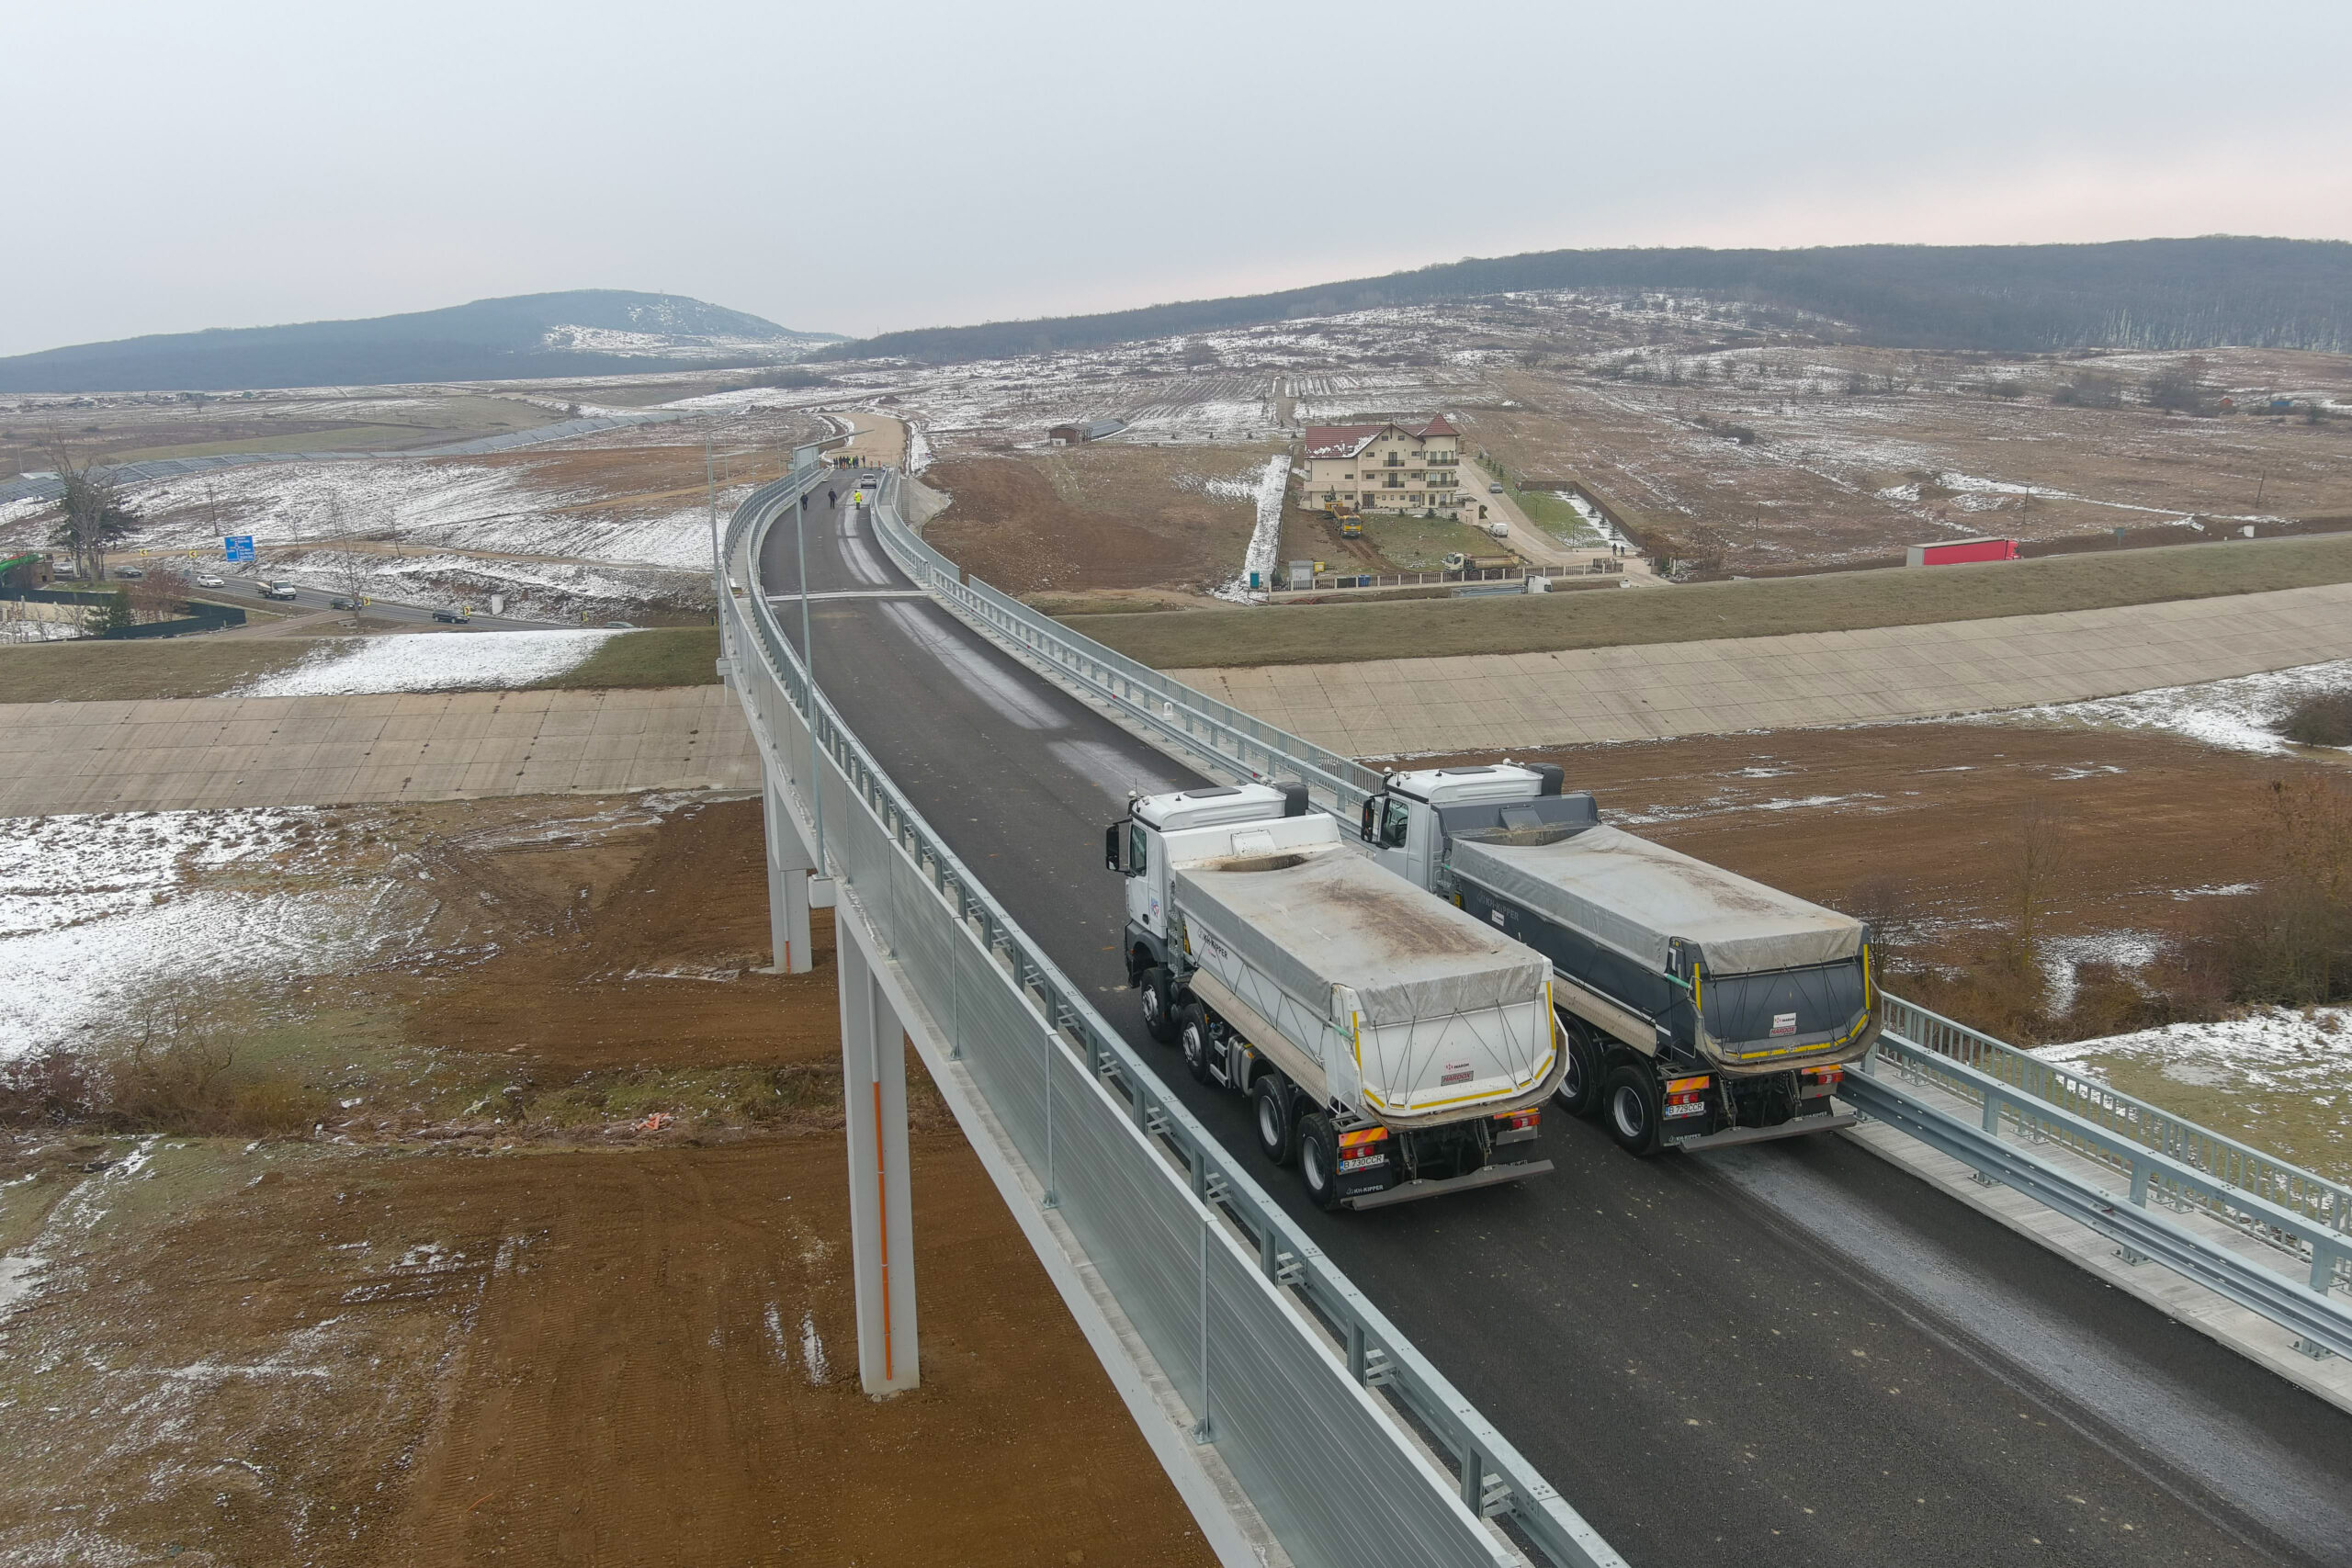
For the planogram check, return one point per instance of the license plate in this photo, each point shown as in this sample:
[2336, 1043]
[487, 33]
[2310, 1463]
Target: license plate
[1362, 1162]
[1699, 1109]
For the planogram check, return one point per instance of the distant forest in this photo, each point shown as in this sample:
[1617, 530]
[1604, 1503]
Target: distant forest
[2207, 293]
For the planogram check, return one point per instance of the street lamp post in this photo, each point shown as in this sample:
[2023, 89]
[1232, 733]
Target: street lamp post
[808, 670]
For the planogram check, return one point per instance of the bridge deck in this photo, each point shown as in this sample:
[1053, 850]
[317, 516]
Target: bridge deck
[1791, 1354]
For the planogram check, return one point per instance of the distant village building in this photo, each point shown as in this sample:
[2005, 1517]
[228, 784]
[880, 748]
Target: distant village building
[1391, 467]
[1079, 434]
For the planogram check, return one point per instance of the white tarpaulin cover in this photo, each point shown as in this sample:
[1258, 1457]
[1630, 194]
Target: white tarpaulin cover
[1633, 895]
[1335, 918]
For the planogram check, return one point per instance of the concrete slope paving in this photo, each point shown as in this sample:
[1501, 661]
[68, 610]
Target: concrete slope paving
[1698, 1357]
[215, 752]
[1400, 706]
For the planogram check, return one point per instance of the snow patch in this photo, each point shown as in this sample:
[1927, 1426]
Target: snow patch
[1265, 539]
[2236, 713]
[425, 662]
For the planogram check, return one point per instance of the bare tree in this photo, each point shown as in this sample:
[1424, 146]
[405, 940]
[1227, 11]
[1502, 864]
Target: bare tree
[2039, 857]
[352, 576]
[160, 595]
[93, 512]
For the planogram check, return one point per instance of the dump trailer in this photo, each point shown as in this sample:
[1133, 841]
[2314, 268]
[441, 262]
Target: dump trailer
[1393, 1046]
[1701, 1009]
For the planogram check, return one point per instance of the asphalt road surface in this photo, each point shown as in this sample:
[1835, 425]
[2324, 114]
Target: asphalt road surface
[1789, 1354]
[244, 591]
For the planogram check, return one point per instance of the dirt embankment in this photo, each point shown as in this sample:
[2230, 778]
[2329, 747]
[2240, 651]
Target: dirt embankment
[645, 1357]
[658, 971]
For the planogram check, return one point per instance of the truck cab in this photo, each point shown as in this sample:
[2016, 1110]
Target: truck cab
[1161, 829]
[1702, 1008]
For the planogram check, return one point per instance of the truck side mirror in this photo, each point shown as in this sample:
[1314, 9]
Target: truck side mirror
[1114, 840]
[1371, 806]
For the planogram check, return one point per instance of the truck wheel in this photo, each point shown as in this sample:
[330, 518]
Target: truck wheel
[1270, 1104]
[1192, 1038]
[1159, 1005]
[1631, 1111]
[1579, 1090]
[1318, 1159]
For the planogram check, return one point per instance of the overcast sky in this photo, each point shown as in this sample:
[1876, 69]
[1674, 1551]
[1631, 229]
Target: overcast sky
[856, 168]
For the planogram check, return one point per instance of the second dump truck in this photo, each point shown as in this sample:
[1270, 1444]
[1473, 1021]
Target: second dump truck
[1393, 1046]
[1701, 1008]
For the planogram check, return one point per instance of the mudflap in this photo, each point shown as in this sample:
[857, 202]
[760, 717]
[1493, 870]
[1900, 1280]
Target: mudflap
[1413, 1192]
[1795, 1127]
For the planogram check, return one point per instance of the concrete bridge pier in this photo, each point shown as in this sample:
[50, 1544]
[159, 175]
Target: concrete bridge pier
[792, 870]
[882, 1237]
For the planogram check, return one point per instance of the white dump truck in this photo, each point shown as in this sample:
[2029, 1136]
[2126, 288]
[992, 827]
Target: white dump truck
[1701, 1009]
[1393, 1046]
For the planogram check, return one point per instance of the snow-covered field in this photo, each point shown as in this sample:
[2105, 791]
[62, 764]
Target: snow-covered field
[507, 507]
[2238, 714]
[424, 662]
[2279, 1078]
[2268, 1048]
[101, 915]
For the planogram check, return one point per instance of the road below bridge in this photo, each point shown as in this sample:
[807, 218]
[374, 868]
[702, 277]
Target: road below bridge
[1791, 1353]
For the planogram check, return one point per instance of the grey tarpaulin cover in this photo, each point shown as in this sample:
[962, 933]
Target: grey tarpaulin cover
[1633, 895]
[1336, 918]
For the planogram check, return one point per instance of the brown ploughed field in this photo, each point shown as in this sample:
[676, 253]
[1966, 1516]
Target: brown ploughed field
[560, 1276]
[1106, 517]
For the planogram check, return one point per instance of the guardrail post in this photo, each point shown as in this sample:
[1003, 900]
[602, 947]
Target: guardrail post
[1992, 1123]
[790, 866]
[881, 1210]
[2323, 1258]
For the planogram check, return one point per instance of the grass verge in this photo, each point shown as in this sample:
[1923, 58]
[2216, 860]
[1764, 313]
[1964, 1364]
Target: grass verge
[660, 656]
[1338, 634]
[133, 672]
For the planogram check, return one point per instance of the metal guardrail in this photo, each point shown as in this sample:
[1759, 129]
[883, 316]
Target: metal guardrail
[1350, 1444]
[2323, 1326]
[2181, 1163]
[2238, 1185]
[1190, 719]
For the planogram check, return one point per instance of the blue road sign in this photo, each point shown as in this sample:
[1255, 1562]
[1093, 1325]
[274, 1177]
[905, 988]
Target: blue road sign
[237, 546]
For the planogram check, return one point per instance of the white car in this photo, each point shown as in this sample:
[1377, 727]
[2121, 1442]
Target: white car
[210, 583]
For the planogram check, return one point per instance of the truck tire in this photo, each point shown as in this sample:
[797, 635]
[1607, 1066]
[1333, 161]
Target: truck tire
[1318, 1159]
[1581, 1085]
[1269, 1114]
[1159, 1005]
[1631, 1109]
[1192, 1039]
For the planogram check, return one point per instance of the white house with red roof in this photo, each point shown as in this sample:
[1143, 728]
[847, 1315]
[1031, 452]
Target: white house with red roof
[1390, 466]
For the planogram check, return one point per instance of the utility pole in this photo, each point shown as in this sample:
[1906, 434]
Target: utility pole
[2262, 480]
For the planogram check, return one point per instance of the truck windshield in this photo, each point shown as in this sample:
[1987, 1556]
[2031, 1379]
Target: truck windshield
[1138, 848]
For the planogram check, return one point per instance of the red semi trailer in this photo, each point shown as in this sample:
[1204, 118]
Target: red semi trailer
[1953, 552]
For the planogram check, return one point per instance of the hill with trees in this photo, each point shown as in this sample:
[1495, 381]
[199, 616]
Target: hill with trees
[2218, 291]
[586, 332]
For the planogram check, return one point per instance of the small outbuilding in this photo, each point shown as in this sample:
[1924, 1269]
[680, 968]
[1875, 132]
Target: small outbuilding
[1079, 434]
[1951, 552]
